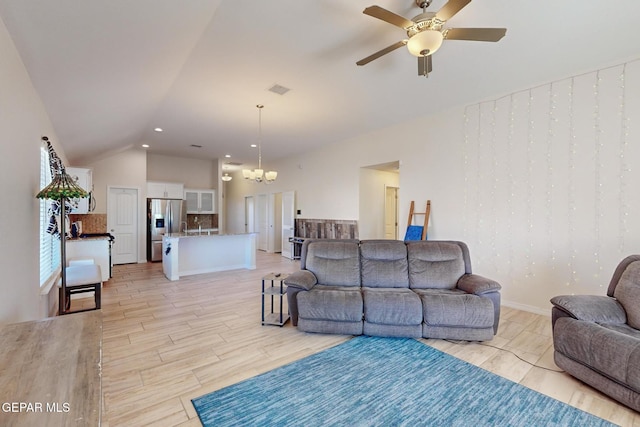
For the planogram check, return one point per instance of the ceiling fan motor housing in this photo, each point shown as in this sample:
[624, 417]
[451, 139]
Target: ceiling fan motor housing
[425, 21]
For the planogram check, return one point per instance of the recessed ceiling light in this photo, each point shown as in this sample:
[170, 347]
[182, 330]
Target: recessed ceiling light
[253, 145]
[227, 156]
[145, 145]
[158, 129]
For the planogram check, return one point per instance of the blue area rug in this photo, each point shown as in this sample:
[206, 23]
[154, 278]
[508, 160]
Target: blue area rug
[369, 381]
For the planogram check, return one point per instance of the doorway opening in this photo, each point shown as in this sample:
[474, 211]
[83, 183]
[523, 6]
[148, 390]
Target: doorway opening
[378, 201]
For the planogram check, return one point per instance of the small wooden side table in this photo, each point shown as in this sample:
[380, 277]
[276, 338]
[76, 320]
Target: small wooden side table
[273, 286]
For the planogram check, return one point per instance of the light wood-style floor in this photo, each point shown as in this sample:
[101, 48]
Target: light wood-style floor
[168, 342]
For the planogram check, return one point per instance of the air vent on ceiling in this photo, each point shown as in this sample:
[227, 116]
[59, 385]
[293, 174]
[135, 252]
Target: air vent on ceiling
[196, 146]
[280, 90]
[233, 163]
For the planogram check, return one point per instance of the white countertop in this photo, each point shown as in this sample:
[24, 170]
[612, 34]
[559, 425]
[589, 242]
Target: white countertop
[86, 239]
[203, 234]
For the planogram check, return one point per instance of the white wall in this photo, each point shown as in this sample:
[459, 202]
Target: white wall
[542, 191]
[128, 169]
[193, 173]
[23, 122]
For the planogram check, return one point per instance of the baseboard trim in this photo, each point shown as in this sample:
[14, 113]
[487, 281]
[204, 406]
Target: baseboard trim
[525, 307]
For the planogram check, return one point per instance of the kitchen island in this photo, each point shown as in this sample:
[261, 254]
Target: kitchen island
[185, 254]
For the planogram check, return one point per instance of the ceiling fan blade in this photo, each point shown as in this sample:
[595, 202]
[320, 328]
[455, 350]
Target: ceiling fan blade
[451, 8]
[476, 34]
[424, 65]
[379, 53]
[386, 16]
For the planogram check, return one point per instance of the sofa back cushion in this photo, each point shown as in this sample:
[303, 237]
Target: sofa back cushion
[384, 264]
[434, 264]
[627, 292]
[334, 262]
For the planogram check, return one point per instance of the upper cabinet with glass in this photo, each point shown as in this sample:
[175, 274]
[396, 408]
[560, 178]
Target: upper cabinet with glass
[200, 201]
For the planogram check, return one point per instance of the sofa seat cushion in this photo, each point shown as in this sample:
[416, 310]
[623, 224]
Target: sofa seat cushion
[614, 354]
[389, 306]
[456, 309]
[343, 304]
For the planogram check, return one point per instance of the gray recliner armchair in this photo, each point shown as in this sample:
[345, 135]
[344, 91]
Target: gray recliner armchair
[597, 338]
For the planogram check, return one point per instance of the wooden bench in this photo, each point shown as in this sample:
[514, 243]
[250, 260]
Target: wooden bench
[80, 279]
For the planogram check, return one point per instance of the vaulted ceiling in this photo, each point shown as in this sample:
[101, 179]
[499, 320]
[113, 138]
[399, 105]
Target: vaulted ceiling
[109, 72]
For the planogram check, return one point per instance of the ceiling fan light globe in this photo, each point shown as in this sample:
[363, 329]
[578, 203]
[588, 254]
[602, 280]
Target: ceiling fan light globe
[425, 43]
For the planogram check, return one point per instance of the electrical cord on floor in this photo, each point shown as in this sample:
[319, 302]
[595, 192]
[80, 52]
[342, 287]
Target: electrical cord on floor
[508, 351]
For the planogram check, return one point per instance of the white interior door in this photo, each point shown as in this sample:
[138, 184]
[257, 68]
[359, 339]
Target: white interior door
[288, 222]
[391, 213]
[249, 215]
[274, 211]
[122, 222]
[262, 222]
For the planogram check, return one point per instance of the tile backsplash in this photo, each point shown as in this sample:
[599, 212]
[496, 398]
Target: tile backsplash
[202, 220]
[91, 223]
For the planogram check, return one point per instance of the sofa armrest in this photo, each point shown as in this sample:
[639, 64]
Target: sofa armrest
[592, 308]
[478, 285]
[301, 279]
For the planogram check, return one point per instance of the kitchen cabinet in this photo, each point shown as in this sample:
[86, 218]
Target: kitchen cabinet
[200, 201]
[165, 190]
[82, 177]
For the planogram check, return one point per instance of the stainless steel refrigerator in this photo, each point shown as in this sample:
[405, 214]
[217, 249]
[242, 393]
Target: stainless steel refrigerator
[163, 216]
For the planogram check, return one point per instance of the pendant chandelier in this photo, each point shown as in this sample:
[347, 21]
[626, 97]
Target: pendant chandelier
[259, 175]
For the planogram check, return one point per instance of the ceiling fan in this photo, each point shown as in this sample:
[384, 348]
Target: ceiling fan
[426, 32]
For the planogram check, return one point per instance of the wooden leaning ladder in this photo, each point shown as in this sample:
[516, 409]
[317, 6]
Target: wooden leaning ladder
[426, 218]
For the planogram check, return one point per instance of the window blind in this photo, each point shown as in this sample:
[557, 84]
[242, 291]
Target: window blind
[49, 245]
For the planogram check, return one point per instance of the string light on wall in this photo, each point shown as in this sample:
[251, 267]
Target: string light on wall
[571, 210]
[524, 189]
[623, 202]
[529, 202]
[510, 180]
[479, 179]
[550, 175]
[597, 209]
[465, 168]
[494, 188]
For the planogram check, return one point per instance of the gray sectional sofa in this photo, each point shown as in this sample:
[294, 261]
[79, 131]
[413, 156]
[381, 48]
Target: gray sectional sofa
[392, 288]
[596, 338]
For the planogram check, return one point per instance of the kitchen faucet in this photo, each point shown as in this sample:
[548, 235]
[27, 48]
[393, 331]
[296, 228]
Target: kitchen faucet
[185, 225]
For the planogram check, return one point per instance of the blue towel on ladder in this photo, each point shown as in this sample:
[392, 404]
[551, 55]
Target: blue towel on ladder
[414, 232]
